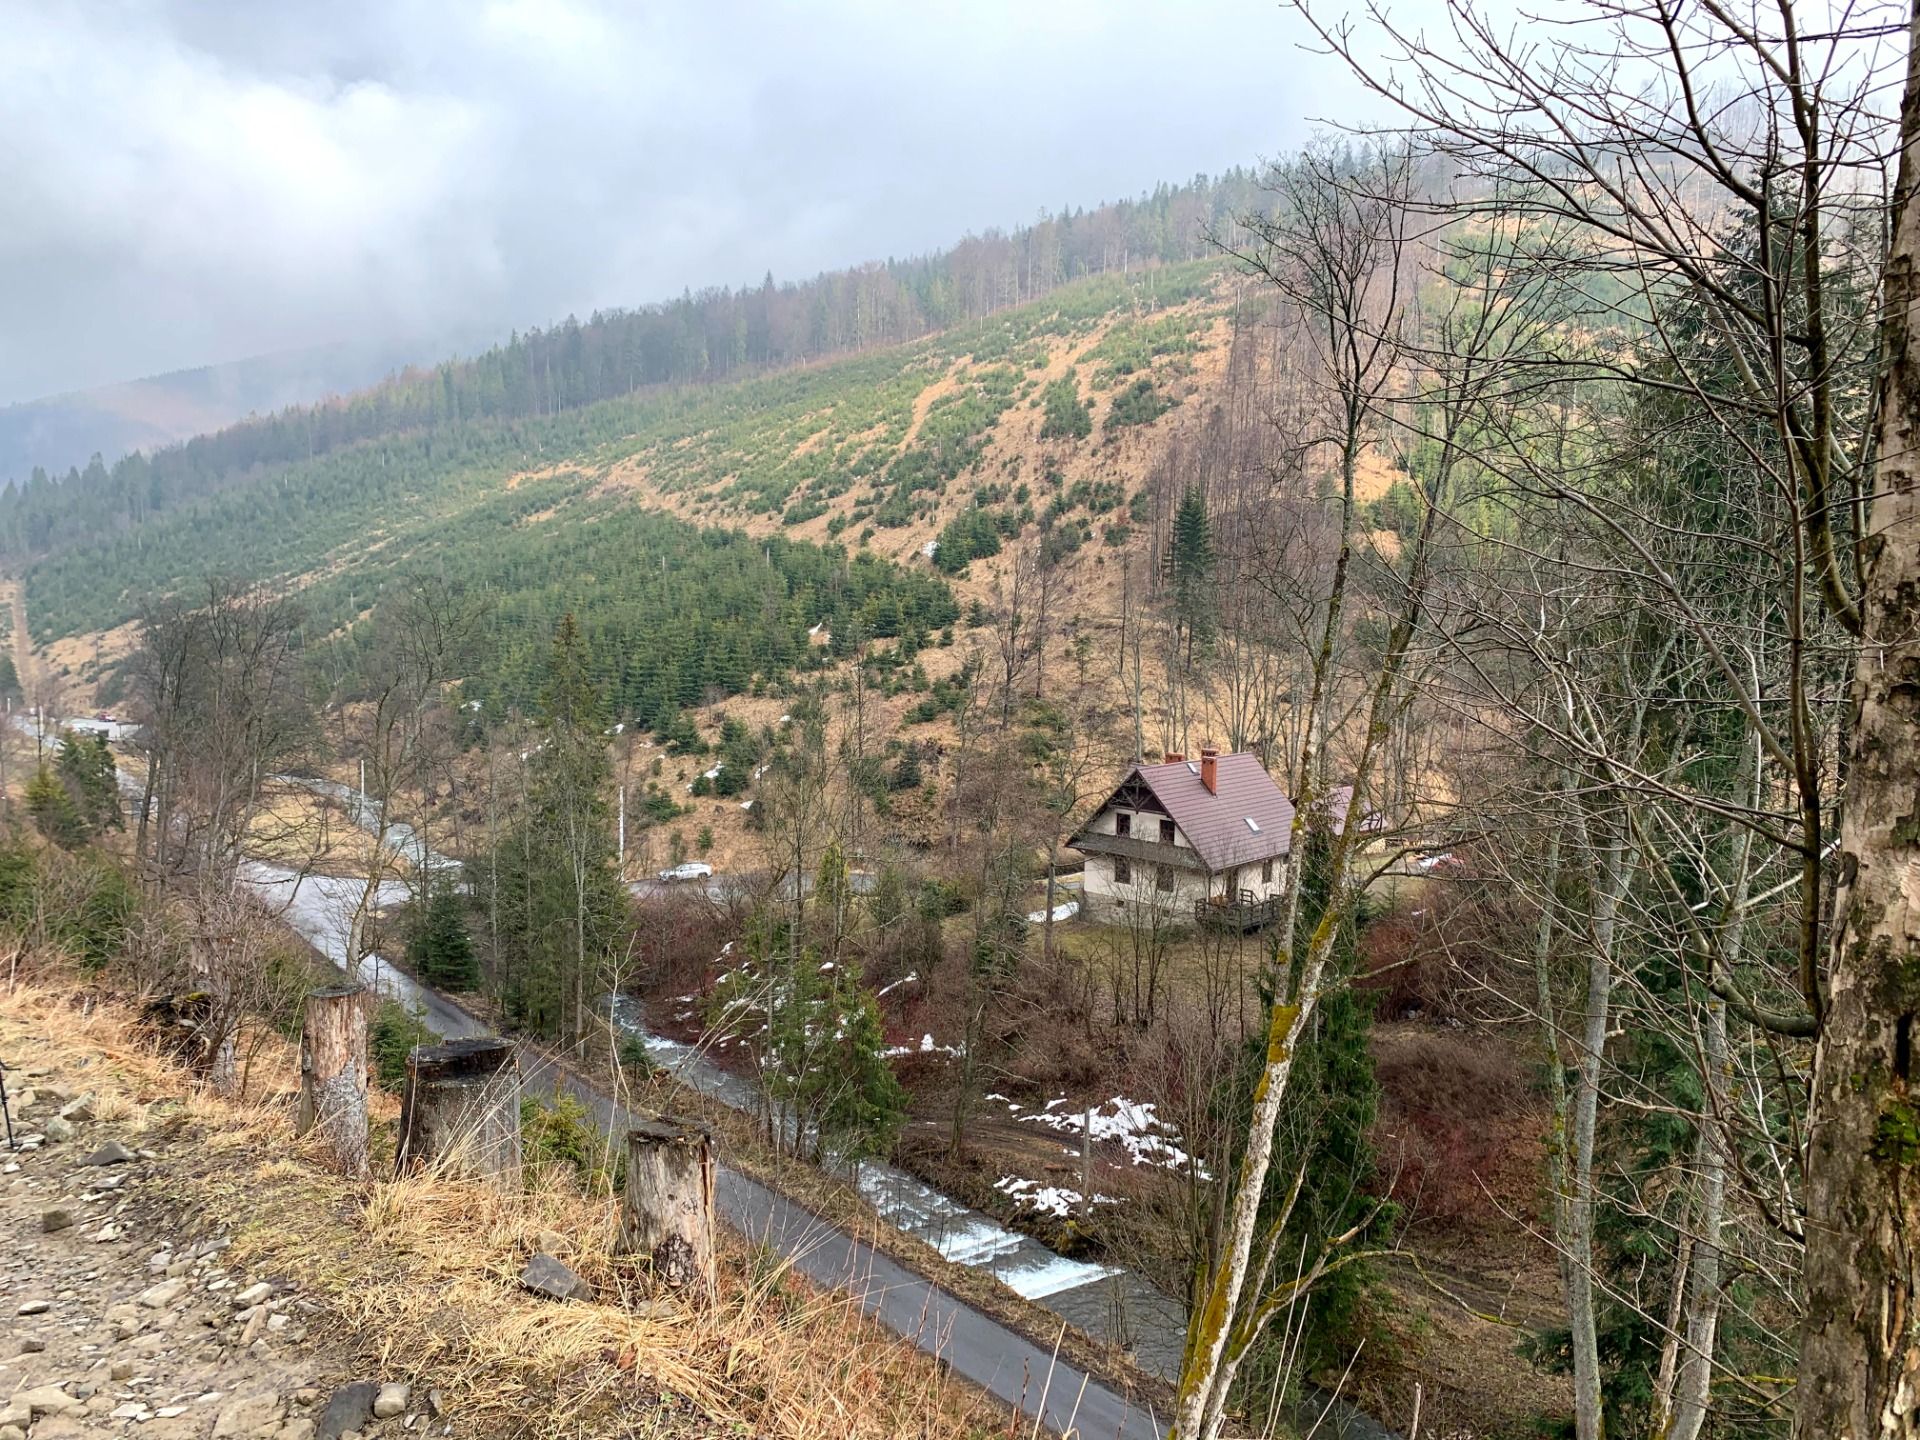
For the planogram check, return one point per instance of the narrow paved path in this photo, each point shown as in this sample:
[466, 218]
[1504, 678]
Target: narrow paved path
[975, 1346]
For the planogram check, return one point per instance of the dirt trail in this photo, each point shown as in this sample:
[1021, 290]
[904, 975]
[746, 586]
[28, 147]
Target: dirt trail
[25, 663]
[125, 1314]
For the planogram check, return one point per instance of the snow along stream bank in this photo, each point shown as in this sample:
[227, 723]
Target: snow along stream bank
[1108, 1303]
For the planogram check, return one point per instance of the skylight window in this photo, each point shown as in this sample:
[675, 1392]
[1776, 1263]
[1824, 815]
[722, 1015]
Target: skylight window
[1253, 825]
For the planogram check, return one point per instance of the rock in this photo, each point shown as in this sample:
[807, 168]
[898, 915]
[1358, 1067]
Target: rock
[256, 1322]
[158, 1297]
[545, 1275]
[551, 1242]
[12, 1432]
[159, 1261]
[127, 1321]
[79, 1111]
[300, 1429]
[57, 1131]
[305, 1395]
[348, 1408]
[391, 1401]
[111, 1153]
[436, 1403]
[46, 1400]
[253, 1295]
[34, 1307]
[277, 1321]
[244, 1418]
[25, 1100]
[31, 1344]
[55, 1217]
[121, 1370]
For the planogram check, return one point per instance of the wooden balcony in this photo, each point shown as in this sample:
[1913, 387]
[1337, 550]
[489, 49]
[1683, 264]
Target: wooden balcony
[1131, 847]
[1244, 913]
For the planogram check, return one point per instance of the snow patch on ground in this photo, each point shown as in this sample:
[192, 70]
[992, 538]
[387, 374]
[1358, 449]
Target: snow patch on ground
[1052, 1200]
[1060, 912]
[1131, 1124]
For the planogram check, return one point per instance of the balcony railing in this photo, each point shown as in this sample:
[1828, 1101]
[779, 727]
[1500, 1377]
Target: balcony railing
[1147, 852]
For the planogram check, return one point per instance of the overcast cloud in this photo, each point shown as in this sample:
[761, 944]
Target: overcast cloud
[195, 183]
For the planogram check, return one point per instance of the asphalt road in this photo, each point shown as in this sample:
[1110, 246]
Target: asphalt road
[973, 1345]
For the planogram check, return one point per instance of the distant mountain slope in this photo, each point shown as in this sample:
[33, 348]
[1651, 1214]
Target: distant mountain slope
[1039, 422]
[62, 432]
[709, 338]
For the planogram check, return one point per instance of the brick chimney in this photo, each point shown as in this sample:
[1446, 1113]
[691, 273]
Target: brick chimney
[1174, 757]
[1210, 769]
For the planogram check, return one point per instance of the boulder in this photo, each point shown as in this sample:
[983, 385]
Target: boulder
[55, 1217]
[391, 1401]
[111, 1153]
[545, 1275]
[248, 1416]
[158, 1297]
[349, 1408]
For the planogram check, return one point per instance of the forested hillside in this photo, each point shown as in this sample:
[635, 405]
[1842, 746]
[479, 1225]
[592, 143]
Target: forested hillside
[699, 338]
[862, 476]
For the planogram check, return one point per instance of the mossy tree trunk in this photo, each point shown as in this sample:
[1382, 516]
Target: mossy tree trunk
[1860, 1350]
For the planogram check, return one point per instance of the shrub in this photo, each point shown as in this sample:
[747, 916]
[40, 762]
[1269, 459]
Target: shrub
[391, 1037]
[1139, 404]
[560, 1133]
[1067, 417]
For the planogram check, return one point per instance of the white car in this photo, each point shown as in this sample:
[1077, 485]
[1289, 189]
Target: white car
[691, 870]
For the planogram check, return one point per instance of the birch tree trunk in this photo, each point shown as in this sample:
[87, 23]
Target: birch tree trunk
[1860, 1351]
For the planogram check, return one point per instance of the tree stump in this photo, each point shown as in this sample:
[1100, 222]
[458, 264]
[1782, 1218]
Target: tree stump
[461, 1110]
[333, 1073]
[667, 1212]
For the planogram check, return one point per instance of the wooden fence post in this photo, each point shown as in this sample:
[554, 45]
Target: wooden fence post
[667, 1213]
[333, 1073]
[462, 1109]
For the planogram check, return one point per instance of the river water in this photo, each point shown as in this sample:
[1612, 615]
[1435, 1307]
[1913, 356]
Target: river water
[1109, 1303]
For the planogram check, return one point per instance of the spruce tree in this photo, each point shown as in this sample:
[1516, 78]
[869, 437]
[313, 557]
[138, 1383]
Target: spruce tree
[439, 948]
[85, 767]
[53, 810]
[1190, 571]
[562, 908]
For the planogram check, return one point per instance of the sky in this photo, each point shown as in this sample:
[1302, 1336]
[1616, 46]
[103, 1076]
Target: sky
[198, 182]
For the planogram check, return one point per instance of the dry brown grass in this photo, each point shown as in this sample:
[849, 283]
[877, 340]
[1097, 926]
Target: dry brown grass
[420, 1275]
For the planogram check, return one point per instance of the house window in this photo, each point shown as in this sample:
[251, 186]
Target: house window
[1122, 823]
[1122, 871]
[1166, 832]
[1163, 877]
[1266, 872]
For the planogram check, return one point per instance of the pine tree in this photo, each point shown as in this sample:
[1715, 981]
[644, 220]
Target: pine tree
[562, 909]
[439, 948]
[85, 767]
[1190, 571]
[53, 810]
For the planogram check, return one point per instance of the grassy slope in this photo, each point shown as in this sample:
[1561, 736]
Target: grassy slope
[416, 1277]
[843, 436]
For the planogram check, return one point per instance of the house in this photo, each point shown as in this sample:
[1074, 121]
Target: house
[1193, 840]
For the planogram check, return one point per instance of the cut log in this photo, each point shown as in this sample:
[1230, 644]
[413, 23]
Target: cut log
[667, 1213]
[333, 1073]
[462, 1111]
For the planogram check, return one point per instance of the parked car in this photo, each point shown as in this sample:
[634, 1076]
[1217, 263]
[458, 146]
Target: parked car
[691, 870]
